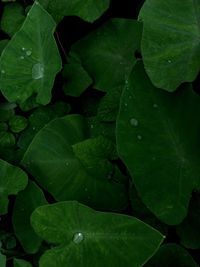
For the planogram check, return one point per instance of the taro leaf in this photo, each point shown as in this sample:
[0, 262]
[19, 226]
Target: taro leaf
[88, 10]
[188, 230]
[85, 238]
[109, 105]
[62, 173]
[170, 41]
[12, 180]
[107, 54]
[158, 139]
[26, 202]
[76, 79]
[21, 263]
[34, 51]
[2, 260]
[12, 18]
[171, 255]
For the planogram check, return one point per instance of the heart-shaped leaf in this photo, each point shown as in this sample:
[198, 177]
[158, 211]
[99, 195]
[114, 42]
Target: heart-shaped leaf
[12, 180]
[66, 167]
[31, 59]
[158, 136]
[85, 238]
[26, 202]
[171, 41]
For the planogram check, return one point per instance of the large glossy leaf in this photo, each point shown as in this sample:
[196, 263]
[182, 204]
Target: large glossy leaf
[171, 255]
[158, 136]
[85, 238]
[88, 10]
[30, 61]
[107, 54]
[170, 41]
[12, 180]
[26, 202]
[65, 168]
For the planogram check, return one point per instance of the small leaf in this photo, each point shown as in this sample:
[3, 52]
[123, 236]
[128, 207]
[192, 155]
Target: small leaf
[170, 41]
[157, 137]
[12, 180]
[26, 202]
[34, 51]
[76, 79]
[85, 238]
[21, 263]
[12, 18]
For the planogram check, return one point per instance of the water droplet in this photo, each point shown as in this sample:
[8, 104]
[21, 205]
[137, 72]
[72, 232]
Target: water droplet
[78, 238]
[155, 105]
[92, 126]
[139, 137]
[169, 61]
[23, 48]
[28, 52]
[22, 57]
[67, 163]
[134, 122]
[125, 104]
[33, 128]
[38, 71]
[3, 71]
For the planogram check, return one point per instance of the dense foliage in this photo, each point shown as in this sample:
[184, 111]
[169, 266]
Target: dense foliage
[99, 133]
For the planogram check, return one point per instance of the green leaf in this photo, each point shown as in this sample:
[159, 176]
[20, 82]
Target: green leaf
[17, 123]
[171, 255]
[12, 18]
[109, 105]
[7, 111]
[88, 10]
[76, 79]
[157, 137]
[97, 239]
[107, 54]
[2, 260]
[170, 41]
[12, 180]
[26, 202]
[21, 263]
[63, 174]
[188, 230]
[34, 51]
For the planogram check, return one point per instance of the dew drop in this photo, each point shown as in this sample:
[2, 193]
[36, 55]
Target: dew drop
[91, 126]
[67, 163]
[3, 71]
[28, 52]
[139, 137]
[22, 57]
[169, 61]
[23, 48]
[38, 71]
[155, 105]
[134, 122]
[78, 238]
[33, 128]
[125, 104]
